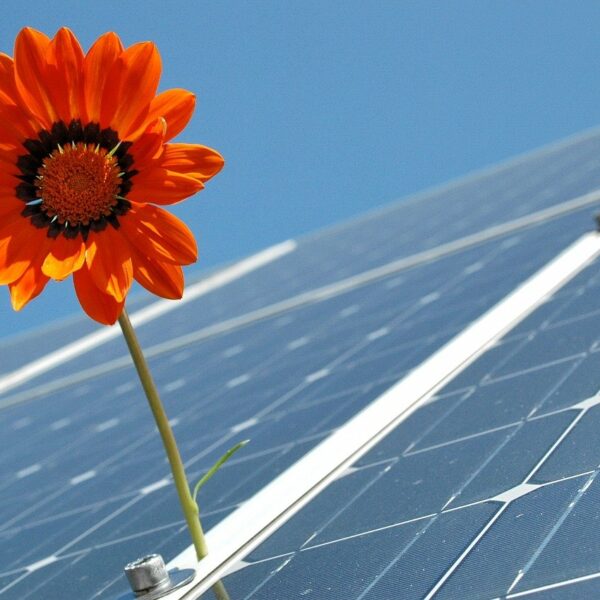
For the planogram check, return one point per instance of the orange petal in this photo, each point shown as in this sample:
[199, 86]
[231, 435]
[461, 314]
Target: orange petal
[108, 259]
[194, 160]
[65, 257]
[150, 145]
[98, 64]
[65, 74]
[20, 245]
[8, 89]
[16, 120]
[10, 270]
[162, 186]
[27, 287]
[162, 279]
[8, 183]
[159, 235]
[10, 208]
[100, 307]
[31, 51]
[134, 80]
[15, 127]
[12, 221]
[8, 157]
[176, 107]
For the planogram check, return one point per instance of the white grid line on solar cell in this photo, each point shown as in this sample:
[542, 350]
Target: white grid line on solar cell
[553, 586]
[288, 493]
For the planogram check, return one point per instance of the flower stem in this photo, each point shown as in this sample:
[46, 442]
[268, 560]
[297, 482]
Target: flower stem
[219, 591]
[188, 505]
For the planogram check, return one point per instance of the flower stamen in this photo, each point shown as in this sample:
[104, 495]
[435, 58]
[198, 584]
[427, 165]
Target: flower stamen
[79, 184]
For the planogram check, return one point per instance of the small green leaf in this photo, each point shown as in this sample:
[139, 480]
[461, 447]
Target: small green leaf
[217, 466]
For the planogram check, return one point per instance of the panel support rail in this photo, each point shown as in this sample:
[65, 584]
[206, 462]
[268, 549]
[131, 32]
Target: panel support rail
[244, 529]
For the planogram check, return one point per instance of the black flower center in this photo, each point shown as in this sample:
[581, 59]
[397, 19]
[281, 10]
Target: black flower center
[75, 179]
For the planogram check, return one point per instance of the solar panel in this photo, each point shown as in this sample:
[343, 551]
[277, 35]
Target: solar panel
[285, 353]
[487, 491]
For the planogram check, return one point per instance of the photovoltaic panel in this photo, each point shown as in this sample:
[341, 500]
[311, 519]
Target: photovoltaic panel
[83, 470]
[502, 462]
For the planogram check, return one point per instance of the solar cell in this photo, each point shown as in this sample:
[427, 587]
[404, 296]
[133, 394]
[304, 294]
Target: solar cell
[285, 355]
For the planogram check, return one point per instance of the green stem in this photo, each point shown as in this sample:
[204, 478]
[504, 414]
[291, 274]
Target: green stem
[188, 505]
[219, 591]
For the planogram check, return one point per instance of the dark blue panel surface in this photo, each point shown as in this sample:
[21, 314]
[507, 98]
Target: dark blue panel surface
[578, 532]
[518, 444]
[492, 566]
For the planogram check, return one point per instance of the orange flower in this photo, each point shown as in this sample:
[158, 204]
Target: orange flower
[83, 151]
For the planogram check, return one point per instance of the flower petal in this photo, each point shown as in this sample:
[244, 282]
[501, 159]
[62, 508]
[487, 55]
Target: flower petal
[20, 244]
[27, 287]
[15, 128]
[160, 278]
[16, 121]
[134, 80]
[193, 160]
[31, 51]
[158, 234]
[10, 270]
[97, 66]
[150, 145]
[65, 257]
[176, 107]
[99, 306]
[108, 259]
[65, 74]
[9, 204]
[8, 89]
[162, 186]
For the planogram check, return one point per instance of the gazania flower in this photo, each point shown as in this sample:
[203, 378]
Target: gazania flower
[85, 158]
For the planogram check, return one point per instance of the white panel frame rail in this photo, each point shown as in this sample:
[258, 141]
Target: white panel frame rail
[244, 529]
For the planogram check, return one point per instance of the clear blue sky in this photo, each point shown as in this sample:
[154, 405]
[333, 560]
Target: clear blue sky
[326, 109]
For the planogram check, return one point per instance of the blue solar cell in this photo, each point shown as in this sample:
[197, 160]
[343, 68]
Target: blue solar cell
[572, 551]
[418, 425]
[511, 541]
[414, 486]
[498, 404]
[568, 342]
[388, 563]
[515, 458]
[579, 385]
[580, 450]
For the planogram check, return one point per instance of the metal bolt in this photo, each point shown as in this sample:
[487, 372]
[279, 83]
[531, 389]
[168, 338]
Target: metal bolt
[147, 574]
[150, 580]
